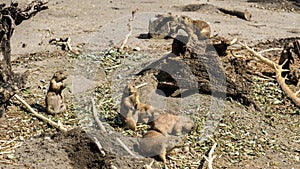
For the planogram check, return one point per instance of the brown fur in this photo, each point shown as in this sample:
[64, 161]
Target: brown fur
[128, 107]
[172, 124]
[133, 111]
[199, 24]
[155, 143]
[55, 100]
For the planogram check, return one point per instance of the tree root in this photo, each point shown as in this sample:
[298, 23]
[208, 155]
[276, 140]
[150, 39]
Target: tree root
[278, 70]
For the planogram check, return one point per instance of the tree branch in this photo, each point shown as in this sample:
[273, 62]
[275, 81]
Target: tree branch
[102, 128]
[211, 157]
[45, 119]
[278, 70]
[129, 29]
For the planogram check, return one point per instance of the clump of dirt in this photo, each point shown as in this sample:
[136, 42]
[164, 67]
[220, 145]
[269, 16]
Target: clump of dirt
[278, 5]
[73, 149]
[199, 7]
[276, 43]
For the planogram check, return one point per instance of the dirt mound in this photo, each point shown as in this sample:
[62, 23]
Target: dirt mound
[199, 7]
[278, 5]
[74, 149]
[276, 43]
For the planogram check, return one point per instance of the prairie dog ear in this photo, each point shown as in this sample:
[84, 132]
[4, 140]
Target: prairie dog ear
[55, 75]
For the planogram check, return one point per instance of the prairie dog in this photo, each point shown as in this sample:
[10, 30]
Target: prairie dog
[128, 107]
[162, 26]
[204, 26]
[172, 124]
[55, 100]
[132, 110]
[155, 143]
[201, 25]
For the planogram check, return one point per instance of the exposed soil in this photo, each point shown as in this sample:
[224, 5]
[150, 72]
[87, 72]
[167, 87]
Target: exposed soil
[74, 149]
[246, 138]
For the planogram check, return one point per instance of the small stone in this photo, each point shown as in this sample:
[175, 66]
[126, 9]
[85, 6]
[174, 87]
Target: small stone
[119, 77]
[186, 149]
[297, 158]
[137, 49]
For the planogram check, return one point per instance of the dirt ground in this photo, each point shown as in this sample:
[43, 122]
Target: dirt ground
[246, 137]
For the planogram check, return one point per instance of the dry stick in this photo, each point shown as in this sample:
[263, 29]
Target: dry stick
[8, 142]
[141, 85]
[10, 163]
[297, 92]
[278, 71]
[270, 50]
[148, 166]
[129, 28]
[103, 129]
[45, 119]
[68, 44]
[126, 148]
[13, 25]
[100, 147]
[12, 148]
[99, 123]
[211, 157]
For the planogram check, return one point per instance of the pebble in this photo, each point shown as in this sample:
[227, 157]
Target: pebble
[137, 49]
[186, 149]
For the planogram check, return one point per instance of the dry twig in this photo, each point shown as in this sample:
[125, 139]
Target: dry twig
[278, 70]
[146, 166]
[211, 157]
[126, 148]
[7, 142]
[141, 85]
[129, 28]
[45, 119]
[99, 147]
[7, 162]
[99, 123]
[270, 50]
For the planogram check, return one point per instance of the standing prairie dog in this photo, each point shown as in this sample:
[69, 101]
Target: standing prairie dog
[132, 110]
[55, 100]
[128, 106]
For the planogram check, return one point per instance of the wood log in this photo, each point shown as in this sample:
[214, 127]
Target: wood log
[242, 15]
[194, 63]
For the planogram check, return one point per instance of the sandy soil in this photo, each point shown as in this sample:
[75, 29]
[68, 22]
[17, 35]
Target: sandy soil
[86, 20]
[246, 138]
